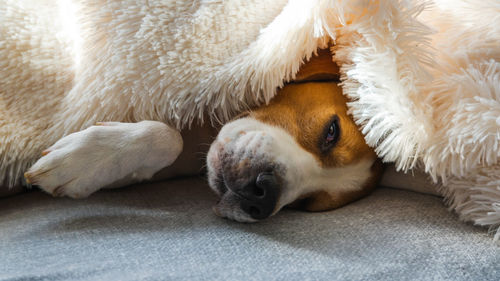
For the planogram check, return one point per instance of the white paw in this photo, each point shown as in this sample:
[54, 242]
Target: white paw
[83, 162]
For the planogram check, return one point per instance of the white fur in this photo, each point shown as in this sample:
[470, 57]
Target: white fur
[247, 138]
[83, 162]
[431, 101]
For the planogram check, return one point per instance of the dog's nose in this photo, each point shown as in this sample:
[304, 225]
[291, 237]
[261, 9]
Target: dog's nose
[259, 198]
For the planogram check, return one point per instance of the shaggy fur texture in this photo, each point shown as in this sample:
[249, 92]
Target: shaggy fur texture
[424, 84]
[431, 101]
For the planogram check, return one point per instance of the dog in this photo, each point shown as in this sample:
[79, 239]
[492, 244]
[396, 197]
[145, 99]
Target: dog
[301, 150]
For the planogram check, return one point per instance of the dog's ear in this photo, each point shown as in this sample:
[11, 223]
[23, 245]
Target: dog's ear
[324, 201]
[319, 68]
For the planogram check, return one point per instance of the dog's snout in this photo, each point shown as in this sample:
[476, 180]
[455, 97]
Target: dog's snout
[245, 172]
[259, 197]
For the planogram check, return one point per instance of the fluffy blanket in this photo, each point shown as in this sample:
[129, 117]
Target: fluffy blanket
[423, 77]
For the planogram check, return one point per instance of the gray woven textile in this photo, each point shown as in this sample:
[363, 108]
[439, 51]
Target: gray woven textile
[166, 231]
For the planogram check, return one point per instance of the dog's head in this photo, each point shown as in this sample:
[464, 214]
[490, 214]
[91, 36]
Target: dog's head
[303, 150]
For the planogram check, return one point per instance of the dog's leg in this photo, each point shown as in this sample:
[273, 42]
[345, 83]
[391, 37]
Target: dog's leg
[83, 162]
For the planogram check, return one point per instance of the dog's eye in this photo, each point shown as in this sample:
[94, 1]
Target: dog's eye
[331, 134]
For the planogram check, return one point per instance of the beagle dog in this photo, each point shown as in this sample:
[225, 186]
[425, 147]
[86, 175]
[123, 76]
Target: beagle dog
[302, 149]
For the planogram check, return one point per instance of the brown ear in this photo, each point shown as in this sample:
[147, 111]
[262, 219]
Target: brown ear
[319, 68]
[324, 201]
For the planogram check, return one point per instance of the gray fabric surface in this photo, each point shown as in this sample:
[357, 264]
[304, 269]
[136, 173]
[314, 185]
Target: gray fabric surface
[166, 231]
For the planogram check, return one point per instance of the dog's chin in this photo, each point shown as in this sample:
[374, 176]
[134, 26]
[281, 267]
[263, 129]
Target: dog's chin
[229, 207]
[230, 204]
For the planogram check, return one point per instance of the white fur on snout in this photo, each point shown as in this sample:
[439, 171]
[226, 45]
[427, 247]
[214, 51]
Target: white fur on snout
[86, 161]
[301, 171]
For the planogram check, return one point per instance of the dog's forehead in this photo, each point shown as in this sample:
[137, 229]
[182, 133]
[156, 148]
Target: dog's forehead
[308, 95]
[313, 94]
[319, 67]
[304, 102]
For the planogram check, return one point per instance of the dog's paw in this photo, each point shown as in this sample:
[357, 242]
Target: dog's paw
[83, 162]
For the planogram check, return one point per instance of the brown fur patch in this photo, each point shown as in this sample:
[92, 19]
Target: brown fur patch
[303, 110]
[319, 67]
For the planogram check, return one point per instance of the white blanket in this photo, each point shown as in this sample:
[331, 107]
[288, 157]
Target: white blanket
[424, 100]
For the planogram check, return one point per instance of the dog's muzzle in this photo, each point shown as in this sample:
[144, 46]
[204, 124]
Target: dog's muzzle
[243, 173]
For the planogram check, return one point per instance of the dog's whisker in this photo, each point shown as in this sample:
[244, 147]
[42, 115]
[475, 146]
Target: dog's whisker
[204, 144]
[204, 154]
